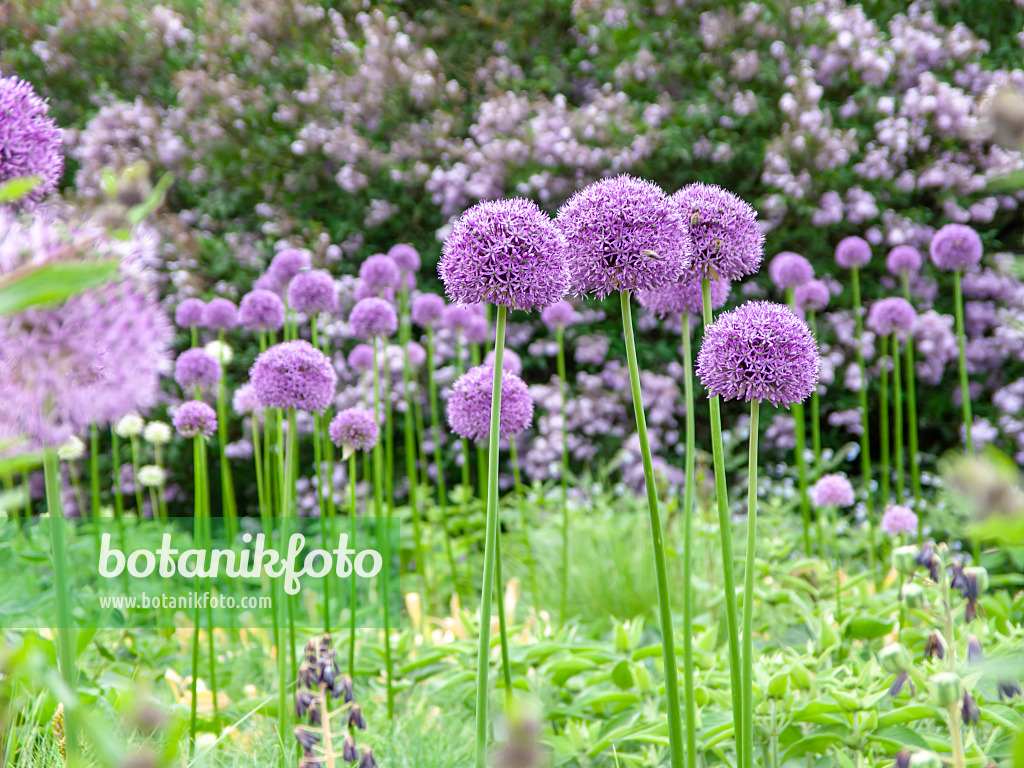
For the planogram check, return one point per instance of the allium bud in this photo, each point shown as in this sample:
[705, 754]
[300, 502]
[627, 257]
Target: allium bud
[904, 559]
[895, 658]
[220, 351]
[72, 449]
[946, 688]
[130, 425]
[152, 476]
[157, 433]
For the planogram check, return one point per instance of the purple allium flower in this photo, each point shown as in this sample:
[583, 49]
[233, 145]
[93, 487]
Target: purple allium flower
[761, 351]
[371, 318]
[294, 374]
[405, 257]
[361, 357]
[426, 309]
[898, 519]
[189, 313]
[220, 315]
[379, 272]
[30, 141]
[812, 296]
[903, 260]
[364, 291]
[469, 405]
[261, 310]
[505, 252]
[354, 428]
[853, 252]
[561, 314]
[244, 400]
[417, 354]
[955, 246]
[195, 418]
[313, 292]
[832, 490]
[726, 239]
[510, 361]
[457, 318]
[287, 264]
[269, 283]
[684, 296]
[623, 234]
[476, 330]
[891, 315]
[788, 270]
[196, 368]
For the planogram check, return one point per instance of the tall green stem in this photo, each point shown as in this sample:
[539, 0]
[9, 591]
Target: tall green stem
[199, 472]
[748, 592]
[965, 389]
[862, 396]
[378, 503]
[490, 545]
[227, 483]
[562, 387]
[352, 580]
[911, 374]
[883, 415]
[115, 451]
[668, 642]
[409, 436]
[815, 407]
[688, 515]
[725, 533]
[94, 472]
[897, 411]
[800, 433]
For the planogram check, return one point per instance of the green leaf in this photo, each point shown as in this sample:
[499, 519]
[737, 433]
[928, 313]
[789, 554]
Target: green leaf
[622, 675]
[897, 737]
[51, 282]
[868, 628]
[13, 190]
[908, 714]
[561, 671]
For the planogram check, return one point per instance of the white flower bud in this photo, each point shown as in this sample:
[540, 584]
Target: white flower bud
[130, 425]
[157, 433]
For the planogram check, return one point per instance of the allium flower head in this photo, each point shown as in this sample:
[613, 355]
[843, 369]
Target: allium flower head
[726, 240]
[294, 374]
[354, 428]
[269, 283]
[623, 234]
[417, 354]
[761, 351]
[152, 476]
[195, 418]
[903, 260]
[30, 141]
[561, 314]
[812, 296]
[261, 310]
[244, 400]
[891, 315]
[426, 309]
[505, 252]
[130, 425]
[189, 313]
[684, 296]
[476, 330]
[853, 252]
[221, 351]
[287, 264]
[71, 449]
[157, 433]
[955, 246]
[196, 368]
[788, 270]
[469, 405]
[898, 519]
[372, 318]
[313, 292]
[379, 272]
[361, 357]
[405, 257]
[832, 490]
[510, 361]
[457, 318]
[220, 315]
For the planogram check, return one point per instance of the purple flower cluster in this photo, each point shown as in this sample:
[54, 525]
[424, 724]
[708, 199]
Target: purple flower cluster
[898, 519]
[195, 419]
[726, 240]
[684, 296]
[189, 313]
[287, 264]
[853, 252]
[891, 315]
[220, 315]
[955, 247]
[788, 270]
[812, 296]
[561, 314]
[196, 368]
[469, 404]
[313, 292]
[379, 273]
[294, 374]
[903, 260]
[261, 310]
[833, 490]
[427, 309]
[373, 318]
[30, 141]
[354, 428]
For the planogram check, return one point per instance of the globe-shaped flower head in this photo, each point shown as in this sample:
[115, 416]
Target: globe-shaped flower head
[891, 315]
[788, 270]
[898, 519]
[189, 313]
[379, 273]
[287, 264]
[505, 252]
[624, 234]
[561, 314]
[194, 419]
[853, 252]
[510, 361]
[469, 405]
[313, 292]
[727, 241]
[426, 309]
[355, 429]
[294, 374]
[361, 357]
[684, 296]
[759, 351]
[457, 318]
[261, 310]
[955, 246]
[812, 296]
[30, 141]
[220, 315]
[196, 368]
[405, 257]
[832, 490]
[372, 318]
[903, 260]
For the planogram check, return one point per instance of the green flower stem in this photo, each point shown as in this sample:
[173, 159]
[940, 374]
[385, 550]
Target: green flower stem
[725, 533]
[199, 473]
[838, 565]
[94, 472]
[675, 735]
[800, 432]
[411, 473]
[442, 491]
[227, 483]
[65, 627]
[352, 581]
[134, 446]
[115, 451]
[490, 546]
[194, 334]
[206, 540]
[378, 504]
[322, 507]
[897, 411]
[910, 373]
[531, 560]
[421, 436]
[748, 592]
[965, 389]
[815, 407]
[688, 514]
[883, 415]
[862, 396]
[562, 387]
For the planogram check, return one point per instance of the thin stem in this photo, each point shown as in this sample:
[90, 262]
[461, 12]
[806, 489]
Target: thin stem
[227, 483]
[965, 388]
[915, 457]
[352, 580]
[562, 387]
[675, 735]
[800, 432]
[883, 415]
[94, 472]
[378, 504]
[198, 469]
[490, 545]
[725, 533]
[862, 397]
[411, 474]
[748, 592]
[442, 491]
[815, 408]
[897, 412]
[688, 515]
[318, 459]
[115, 451]
[134, 443]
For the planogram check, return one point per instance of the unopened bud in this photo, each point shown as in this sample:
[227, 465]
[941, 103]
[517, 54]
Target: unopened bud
[947, 688]
[913, 595]
[895, 658]
[978, 575]
[904, 559]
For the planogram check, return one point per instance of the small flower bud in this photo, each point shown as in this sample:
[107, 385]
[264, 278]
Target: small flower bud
[306, 738]
[934, 646]
[902, 759]
[355, 718]
[895, 658]
[904, 559]
[946, 688]
[71, 449]
[157, 433]
[926, 760]
[314, 713]
[344, 688]
[1008, 689]
[913, 595]
[303, 699]
[969, 711]
[778, 685]
[348, 749]
[130, 425]
[979, 576]
[366, 759]
[974, 652]
[220, 351]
